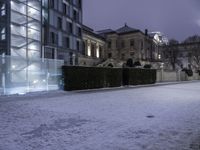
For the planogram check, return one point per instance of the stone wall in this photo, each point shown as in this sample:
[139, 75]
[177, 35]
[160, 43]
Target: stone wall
[172, 76]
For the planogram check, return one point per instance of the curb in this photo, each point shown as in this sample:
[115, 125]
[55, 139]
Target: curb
[51, 94]
[132, 87]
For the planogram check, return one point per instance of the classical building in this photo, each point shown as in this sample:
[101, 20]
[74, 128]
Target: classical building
[93, 48]
[41, 29]
[127, 42]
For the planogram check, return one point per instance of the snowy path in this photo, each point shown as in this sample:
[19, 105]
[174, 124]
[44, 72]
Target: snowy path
[150, 118]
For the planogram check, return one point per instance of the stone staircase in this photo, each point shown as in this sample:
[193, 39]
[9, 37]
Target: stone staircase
[111, 63]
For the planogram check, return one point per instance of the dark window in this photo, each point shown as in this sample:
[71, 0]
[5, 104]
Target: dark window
[122, 44]
[64, 8]
[109, 55]
[80, 3]
[66, 42]
[68, 10]
[52, 3]
[53, 38]
[189, 55]
[109, 44]
[123, 56]
[84, 48]
[92, 50]
[181, 55]
[78, 45]
[142, 45]
[79, 31]
[75, 14]
[100, 52]
[132, 43]
[60, 23]
[71, 27]
[132, 54]
[49, 53]
[61, 56]
[67, 26]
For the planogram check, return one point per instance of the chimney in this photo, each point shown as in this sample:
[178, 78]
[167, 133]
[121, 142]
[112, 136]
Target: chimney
[125, 24]
[146, 32]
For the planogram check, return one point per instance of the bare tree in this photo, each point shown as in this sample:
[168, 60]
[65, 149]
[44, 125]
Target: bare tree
[173, 42]
[194, 55]
[195, 59]
[173, 52]
[192, 39]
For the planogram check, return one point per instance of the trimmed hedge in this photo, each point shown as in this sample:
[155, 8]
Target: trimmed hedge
[138, 76]
[147, 66]
[80, 78]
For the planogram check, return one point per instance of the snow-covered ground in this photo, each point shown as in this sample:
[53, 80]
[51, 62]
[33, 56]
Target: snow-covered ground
[148, 118]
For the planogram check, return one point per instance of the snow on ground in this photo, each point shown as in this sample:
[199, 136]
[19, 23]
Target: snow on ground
[148, 118]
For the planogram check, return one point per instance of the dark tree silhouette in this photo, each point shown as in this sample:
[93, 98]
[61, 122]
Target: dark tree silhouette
[192, 39]
[129, 63]
[194, 55]
[173, 42]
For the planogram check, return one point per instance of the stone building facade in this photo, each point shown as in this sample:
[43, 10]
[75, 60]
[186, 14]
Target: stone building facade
[93, 48]
[62, 29]
[126, 42]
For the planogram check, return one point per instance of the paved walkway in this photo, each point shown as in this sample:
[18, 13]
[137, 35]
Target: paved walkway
[147, 118]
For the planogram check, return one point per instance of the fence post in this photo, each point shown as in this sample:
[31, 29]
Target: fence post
[177, 75]
[3, 74]
[162, 71]
[4, 84]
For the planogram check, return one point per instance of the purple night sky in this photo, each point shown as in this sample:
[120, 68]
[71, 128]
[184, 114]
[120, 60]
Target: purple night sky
[175, 18]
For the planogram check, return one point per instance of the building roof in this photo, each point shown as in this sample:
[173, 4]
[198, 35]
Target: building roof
[105, 31]
[87, 28]
[90, 31]
[125, 29]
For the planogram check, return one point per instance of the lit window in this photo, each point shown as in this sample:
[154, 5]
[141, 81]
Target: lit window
[3, 10]
[3, 31]
[3, 37]
[3, 34]
[3, 7]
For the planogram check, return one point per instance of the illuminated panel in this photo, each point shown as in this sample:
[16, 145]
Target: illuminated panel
[26, 29]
